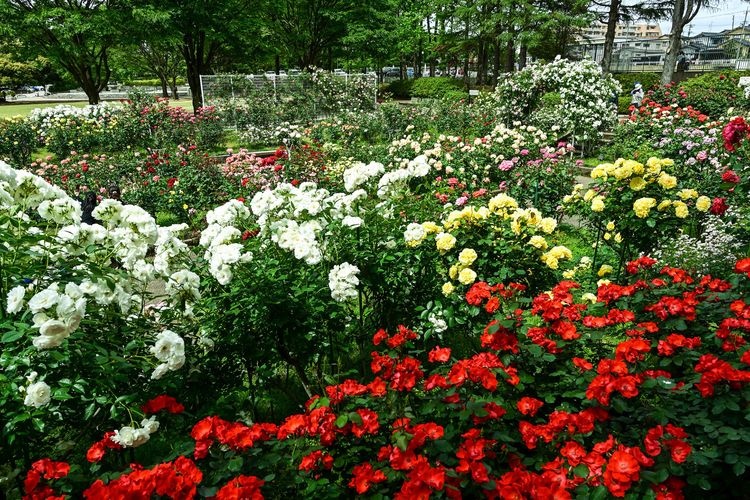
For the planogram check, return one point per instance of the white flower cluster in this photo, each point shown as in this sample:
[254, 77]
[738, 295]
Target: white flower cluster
[294, 218]
[132, 437]
[21, 190]
[170, 350]
[359, 173]
[394, 180]
[585, 95]
[46, 118]
[343, 282]
[56, 313]
[221, 239]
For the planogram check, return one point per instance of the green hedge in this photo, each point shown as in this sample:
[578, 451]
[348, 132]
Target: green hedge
[628, 80]
[435, 87]
[401, 89]
[150, 82]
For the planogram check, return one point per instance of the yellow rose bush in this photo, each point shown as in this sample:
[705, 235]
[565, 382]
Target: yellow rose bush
[632, 206]
[497, 242]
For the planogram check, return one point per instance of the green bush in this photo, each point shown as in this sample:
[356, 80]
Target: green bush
[150, 82]
[401, 89]
[628, 80]
[623, 104]
[713, 93]
[434, 87]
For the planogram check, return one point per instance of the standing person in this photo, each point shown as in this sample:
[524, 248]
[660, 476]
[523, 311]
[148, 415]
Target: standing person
[88, 204]
[636, 95]
[114, 191]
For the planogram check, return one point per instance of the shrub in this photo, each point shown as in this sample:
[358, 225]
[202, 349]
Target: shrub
[628, 80]
[401, 89]
[638, 391]
[17, 140]
[434, 87]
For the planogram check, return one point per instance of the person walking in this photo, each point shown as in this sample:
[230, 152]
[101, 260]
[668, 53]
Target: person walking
[636, 95]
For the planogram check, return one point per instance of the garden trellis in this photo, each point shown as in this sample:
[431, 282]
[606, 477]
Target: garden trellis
[252, 101]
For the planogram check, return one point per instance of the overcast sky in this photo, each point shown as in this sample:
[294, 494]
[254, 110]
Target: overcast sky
[716, 19]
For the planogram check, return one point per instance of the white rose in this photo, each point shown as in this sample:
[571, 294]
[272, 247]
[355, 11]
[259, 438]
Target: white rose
[37, 395]
[15, 299]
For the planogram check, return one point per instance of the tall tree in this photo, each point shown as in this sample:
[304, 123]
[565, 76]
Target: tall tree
[683, 11]
[75, 34]
[205, 29]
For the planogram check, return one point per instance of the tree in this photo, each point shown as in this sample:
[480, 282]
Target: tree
[683, 12]
[204, 30]
[75, 34]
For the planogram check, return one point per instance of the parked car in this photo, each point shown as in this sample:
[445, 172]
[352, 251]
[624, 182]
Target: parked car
[339, 72]
[391, 71]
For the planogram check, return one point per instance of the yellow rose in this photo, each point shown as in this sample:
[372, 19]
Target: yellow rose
[637, 183]
[548, 224]
[589, 195]
[589, 297]
[597, 204]
[445, 241]
[607, 236]
[467, 276]
[610, 226]
[604, 270]
[703, 203]
[453, 271]
[680, 209]
[667, 181]
[624, 171]
[448, 289]
[667, 162]
[618, 238]
[602, 282]
[642, 206]
[538, 242]
[467, 256]
[687, 194]
[599, 171]
[501, 202]
[560, 252]
[569, 274]
[431, 227]
[663, 205]
[549, 260]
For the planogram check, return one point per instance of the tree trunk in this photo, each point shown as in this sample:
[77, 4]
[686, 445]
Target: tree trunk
[510, 56]
[173, 85]
[675, 43]
[523, 53]
[164, 89]
[609, 37]
[495, 62]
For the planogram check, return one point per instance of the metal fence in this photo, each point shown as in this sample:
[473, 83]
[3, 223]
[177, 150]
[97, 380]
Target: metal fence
[729, 49]
[304, 95]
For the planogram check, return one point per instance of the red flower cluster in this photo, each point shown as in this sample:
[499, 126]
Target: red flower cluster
[714, 370]
[48, 469]
[574, 423]
[241, 487]
[672, 437]
[364, 477]
[233, 434]
[177, 479]
[734, 132]
[162, 402]
[97, 450]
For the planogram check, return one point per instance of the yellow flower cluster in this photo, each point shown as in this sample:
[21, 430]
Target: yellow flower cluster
[501, 215]
[638, 177]
[555, 255]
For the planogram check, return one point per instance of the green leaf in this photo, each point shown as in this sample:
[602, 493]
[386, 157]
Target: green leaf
[581, 470]
[342, 420]
[11, 336]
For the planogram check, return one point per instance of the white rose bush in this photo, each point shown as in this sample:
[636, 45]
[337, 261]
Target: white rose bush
[82, 336]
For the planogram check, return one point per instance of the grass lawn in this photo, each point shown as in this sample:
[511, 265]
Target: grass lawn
[23, 109]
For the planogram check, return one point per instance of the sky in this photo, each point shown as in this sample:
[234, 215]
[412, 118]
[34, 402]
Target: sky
[716, 19]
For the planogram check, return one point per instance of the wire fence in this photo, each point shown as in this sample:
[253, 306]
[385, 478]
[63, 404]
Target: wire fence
[699, 53]
[265, 100]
